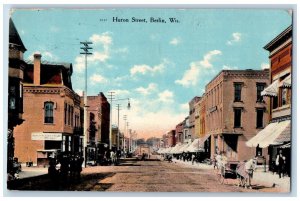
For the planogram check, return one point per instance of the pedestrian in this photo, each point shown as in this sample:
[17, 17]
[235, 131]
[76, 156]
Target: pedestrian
[113, 157]
[280, 163]
[193, 159]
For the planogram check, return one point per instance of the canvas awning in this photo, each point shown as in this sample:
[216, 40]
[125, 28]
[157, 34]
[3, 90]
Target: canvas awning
[175, 149]
[183, 148]
[269, 135]
[287, 82]
[198, 144]
[271, 90]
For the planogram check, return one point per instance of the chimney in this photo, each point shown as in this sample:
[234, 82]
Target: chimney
[37, 69]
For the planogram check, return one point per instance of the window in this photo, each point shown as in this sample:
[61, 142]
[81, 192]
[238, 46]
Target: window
[259, 118]
[66, 108]
[237, 117]
[48, 112]
[12, 97]
[275, 102]
[259, 88]
[237, 91]
[283, 96]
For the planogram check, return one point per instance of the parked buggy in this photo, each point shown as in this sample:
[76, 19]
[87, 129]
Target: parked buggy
[227, 171]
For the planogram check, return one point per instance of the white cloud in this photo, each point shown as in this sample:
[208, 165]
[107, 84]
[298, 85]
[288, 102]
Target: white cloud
[146, 91]
[145, 69]
[265, 66]
[236, 37]
[191, 76]
[166, 96]
[101, 51]
[120, 92]
[104, 39]
[225, 67]
[96, 78]
[46, 56]
[185, 107]
[79, 92]
[175, 41]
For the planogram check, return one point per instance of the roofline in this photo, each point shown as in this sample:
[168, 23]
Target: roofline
[242, 70]
[278, 37]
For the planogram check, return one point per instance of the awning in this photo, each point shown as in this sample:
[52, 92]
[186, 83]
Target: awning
[183, 148]
[269, 135]
[284, 146]
[285, 135]
[198, 144]
[286, 83]
[271, 90]
[175, 149]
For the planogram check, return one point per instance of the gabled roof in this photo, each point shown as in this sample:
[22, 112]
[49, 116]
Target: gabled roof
[14, 37]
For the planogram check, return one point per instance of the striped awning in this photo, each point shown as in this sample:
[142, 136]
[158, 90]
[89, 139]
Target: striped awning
[271, 90]
[287, 82]
[270, 135]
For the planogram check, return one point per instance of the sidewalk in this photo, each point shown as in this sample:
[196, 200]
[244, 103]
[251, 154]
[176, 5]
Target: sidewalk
[260, 178]
[32, 171]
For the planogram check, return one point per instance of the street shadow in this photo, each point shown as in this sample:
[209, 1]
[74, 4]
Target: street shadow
[86, 182]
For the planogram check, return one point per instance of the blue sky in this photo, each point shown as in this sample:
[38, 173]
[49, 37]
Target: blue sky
[159, 66]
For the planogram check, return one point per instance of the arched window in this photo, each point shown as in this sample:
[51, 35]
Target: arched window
[48, 107]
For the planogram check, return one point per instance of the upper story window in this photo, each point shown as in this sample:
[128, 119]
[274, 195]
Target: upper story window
[259, 88]
[284, 96]
[48, 107]
[259, 118]
[237, 117]
[237, 91]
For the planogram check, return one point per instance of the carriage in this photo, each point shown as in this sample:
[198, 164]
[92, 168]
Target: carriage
[242, 171]
[227, 171]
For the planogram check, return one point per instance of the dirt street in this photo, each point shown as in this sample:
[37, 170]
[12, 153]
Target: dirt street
[143, 176]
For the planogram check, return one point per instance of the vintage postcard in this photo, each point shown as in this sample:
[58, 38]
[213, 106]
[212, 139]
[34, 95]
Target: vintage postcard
[150, 100]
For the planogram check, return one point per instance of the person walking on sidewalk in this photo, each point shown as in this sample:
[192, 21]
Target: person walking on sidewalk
[280, 163]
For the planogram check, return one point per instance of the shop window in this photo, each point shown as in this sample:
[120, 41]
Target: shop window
[237, 92]
[237, 117]
[48, 107]
[259, 118]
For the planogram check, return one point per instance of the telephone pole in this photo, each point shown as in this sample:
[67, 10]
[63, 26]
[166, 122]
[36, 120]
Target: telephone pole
[111, 97]
[86, 52]
[118, 137]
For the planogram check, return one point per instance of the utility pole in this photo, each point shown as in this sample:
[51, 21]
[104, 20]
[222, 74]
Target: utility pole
[118, 139]
[124, 139]
[86, 52]
[111, 97]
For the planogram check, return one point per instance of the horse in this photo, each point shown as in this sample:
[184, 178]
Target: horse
[245, 171]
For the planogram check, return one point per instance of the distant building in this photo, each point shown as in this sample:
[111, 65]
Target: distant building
[187, 137]
[192, 109]
[52, 113]
[235, 110]
[179, 133]
[15, 89]
[98, 118]
[171, 142]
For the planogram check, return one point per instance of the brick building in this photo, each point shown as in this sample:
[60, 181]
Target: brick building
[235, 110]
[200, 117]
[277, 135]
[15, 89]
[52, 113]
[171, 138]
[98, 118]
[179, 133]
[192, 105]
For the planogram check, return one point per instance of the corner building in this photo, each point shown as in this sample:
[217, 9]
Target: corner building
[51, 113]
[235, 111]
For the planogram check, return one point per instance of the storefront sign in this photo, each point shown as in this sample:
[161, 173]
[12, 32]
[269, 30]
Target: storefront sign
[46, 136]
